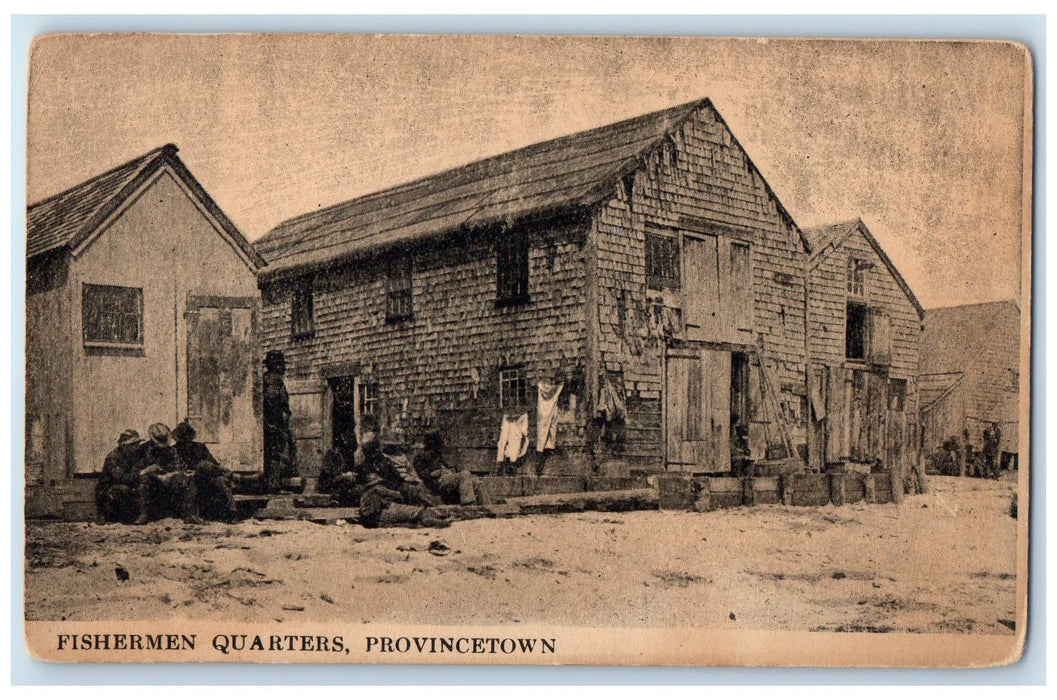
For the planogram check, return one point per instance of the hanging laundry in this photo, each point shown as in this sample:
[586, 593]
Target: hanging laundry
[547, 416]
[611, 401]
[513, 439]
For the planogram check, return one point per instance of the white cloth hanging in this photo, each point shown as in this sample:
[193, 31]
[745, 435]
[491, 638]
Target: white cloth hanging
[513, 439]
[547, 416]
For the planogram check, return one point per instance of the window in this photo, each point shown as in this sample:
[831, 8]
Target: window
[302, 318]
[512, 389]
[855, 332]
[368, 399]
[857, 277]
[512, 267]
[662, 262]
[897, 394]
[112, 316]
[398, 304]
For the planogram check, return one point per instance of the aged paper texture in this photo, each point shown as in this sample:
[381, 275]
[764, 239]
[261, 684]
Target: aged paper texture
[527, 350]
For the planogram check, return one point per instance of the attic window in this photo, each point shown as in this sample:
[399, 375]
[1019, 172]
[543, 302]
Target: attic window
[897, 394]
[112, 316]
[398, 300]
[302, 315]
[662, 262]
[857, 277]
[512, 267]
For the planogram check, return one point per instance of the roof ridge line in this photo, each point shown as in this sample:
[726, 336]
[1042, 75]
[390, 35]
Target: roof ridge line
[167, 149]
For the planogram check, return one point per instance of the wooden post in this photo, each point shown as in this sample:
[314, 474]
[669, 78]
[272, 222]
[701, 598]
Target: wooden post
[748, 492]
[837, 496]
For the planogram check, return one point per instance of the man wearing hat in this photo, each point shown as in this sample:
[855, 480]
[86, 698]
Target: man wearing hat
[452, 486]
[383, 507]
[280, 451]
[165, 490]
[212, 481]
[116, 492]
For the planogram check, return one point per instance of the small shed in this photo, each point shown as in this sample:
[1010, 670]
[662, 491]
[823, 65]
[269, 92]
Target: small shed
[141, 307]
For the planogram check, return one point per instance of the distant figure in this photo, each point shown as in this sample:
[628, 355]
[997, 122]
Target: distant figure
[212, 481]
[117, 492]
[280, 451]
[165, 490]
[992, 436]
[741, 456]
[384, 507]
[453, 487]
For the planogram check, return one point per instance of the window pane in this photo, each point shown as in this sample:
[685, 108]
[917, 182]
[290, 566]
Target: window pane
[662, 262]
[111, 314]
[512, 268]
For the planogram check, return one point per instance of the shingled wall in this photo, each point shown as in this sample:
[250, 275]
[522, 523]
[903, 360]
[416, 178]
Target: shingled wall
[445, 361]
[698, 174]
[828, 308]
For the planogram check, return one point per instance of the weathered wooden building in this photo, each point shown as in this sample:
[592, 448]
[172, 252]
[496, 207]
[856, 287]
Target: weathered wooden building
[646, 266]
[970, 374]
[864, 330]
[141, 306]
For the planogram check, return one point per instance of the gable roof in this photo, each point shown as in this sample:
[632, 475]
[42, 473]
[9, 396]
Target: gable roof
[823, 240]
[71, 217]
[948, 343]
[564, 174]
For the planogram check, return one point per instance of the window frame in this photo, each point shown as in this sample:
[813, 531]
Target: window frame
[855, 280]
[367, 399]
[399, 300]
[86, 325]
[659, 279]
[512, 259]
[513, 375]
[302, 295]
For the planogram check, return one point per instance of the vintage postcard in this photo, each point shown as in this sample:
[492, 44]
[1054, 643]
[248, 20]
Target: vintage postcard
[527, 350]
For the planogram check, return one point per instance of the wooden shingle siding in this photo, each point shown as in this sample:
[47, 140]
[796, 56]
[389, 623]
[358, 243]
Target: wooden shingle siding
[828, 308]
[457, 332]
[707, 178]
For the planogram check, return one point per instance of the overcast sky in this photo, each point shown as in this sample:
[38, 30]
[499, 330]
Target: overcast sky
[924, 141]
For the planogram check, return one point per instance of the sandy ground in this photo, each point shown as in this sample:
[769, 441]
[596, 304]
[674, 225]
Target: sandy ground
[942, 562]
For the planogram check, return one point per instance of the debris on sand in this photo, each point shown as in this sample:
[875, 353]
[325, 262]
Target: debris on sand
[121, 573]
[439, 549]
[1008, 623]
[294, 608]
[680, 579]
[326, 598]
[732, 617]
[1013, 507]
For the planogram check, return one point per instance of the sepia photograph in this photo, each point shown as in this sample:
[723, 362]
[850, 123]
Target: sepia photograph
[497, 349]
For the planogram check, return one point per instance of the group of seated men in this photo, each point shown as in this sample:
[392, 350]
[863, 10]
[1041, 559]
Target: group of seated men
[170, 475]
[392, 491]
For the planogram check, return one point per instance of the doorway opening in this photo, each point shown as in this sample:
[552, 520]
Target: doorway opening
[343, 416]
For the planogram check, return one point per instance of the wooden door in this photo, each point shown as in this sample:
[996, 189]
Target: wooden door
[704, 313]
[697, 400]
[221, 383]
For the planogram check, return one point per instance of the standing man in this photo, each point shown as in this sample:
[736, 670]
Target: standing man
[280, 452]
[165, 490]
[213, 496]
[116, 493]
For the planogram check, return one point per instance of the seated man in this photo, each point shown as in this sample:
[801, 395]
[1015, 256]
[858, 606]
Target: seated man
[165, 490]
[338, 477]
[212, 481]
[394, 470]
[383, 507]
[452, 486]
[116, 493]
